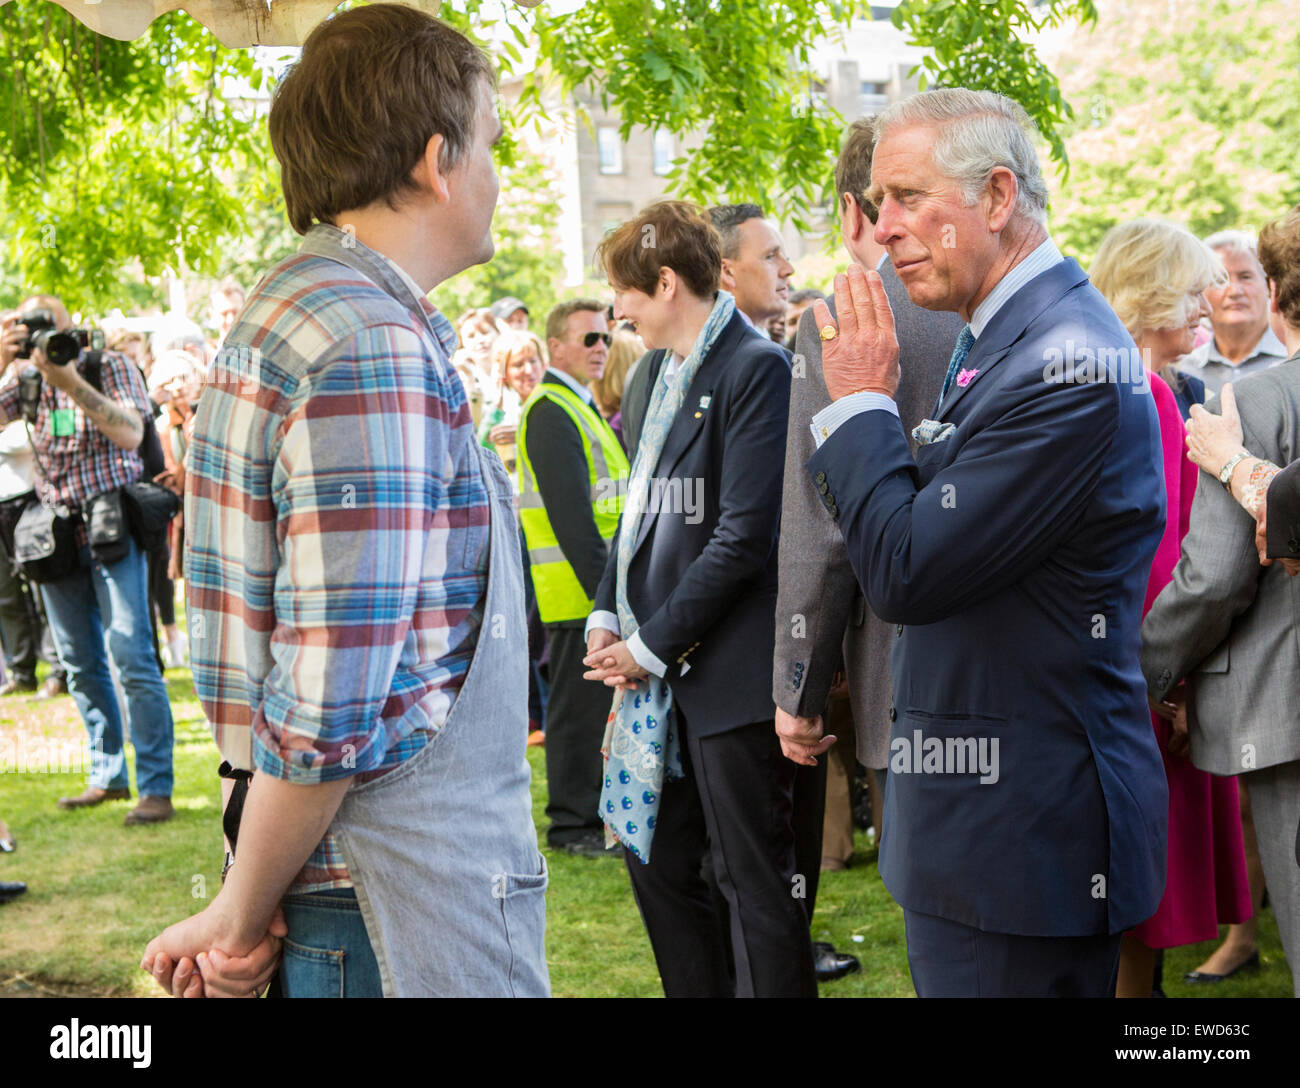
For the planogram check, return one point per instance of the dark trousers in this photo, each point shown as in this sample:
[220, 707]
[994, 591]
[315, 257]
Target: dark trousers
[734, 806]
[809, 821]
[949, 959]
[576, 712]
[23, 632]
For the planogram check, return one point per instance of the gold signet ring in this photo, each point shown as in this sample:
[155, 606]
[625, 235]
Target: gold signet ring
[829, 332]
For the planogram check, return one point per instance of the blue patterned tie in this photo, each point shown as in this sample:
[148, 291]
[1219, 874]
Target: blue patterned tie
[965, 340]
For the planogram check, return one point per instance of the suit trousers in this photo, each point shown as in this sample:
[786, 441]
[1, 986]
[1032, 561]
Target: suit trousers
[1275, 805]
[734, 805]
[809, 819]
[949, 959]
[576, 712]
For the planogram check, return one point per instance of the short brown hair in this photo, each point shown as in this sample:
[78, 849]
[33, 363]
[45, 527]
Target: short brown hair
[350, 120]
[1279, 253]
[669, 234]
[557, 321]
[853, 170]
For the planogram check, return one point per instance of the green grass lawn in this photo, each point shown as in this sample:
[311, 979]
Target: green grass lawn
[98, 891]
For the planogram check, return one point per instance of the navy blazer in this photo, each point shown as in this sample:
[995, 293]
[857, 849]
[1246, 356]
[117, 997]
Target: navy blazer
[702, 581]
[1014, 558]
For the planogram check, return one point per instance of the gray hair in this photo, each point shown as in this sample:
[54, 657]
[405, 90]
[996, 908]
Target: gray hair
[1234, 241]
[978, 132]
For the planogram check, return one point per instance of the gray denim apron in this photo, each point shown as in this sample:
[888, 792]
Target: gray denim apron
[443, 851]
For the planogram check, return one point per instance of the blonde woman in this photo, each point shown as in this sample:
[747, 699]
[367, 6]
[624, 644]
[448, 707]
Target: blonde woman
[607, 390]
[1154, 275]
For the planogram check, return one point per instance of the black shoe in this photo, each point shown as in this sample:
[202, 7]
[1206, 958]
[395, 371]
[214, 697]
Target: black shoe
[591, 845]
[11, 890]
[1204, 976]
[829, 965]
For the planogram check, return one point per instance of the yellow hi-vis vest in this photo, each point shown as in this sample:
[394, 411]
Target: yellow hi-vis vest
[560, 595]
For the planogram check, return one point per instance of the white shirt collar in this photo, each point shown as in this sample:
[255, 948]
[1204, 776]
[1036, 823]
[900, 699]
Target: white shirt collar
[572, 383]
[1039, 261]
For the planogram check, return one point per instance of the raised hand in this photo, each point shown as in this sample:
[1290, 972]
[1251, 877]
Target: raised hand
[860, 354]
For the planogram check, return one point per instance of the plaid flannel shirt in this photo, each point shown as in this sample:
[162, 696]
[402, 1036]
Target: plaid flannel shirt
[84, 462]
[336, 527]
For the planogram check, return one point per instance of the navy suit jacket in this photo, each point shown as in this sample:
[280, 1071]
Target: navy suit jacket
[1014, 558]
[702, 581]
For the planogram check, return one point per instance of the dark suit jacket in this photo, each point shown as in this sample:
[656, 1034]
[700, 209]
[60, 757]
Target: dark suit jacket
[702, 582]
[1283, 518]
[1016, 554]
[636, 398]
[821, 618]
[555, 452]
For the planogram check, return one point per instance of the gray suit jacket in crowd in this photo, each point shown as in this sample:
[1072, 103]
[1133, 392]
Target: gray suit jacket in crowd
[821, 616]
[1224, 622]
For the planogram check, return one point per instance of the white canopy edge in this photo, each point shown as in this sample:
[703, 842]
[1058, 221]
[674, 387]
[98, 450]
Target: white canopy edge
[236, 23]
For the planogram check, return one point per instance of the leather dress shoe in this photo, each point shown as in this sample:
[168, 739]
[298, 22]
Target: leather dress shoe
[587, 846]
[53, 686]
[151, 810]
[1205, 976]
[18, 686]
[830, 965]
[94, 796]
[11, 889]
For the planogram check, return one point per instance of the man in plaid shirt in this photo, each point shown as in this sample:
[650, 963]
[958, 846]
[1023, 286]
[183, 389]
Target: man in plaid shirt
[338, 523]
[87, 442]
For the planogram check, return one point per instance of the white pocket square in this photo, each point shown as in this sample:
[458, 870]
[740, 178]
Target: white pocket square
[929, 431]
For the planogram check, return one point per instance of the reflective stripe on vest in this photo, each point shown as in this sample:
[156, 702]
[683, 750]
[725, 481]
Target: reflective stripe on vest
[560, 595]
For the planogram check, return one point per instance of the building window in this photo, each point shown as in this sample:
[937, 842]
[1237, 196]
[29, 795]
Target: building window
[874, 97]
[610, 149]
[663, 152]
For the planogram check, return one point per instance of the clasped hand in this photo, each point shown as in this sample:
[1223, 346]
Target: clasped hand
[228, 964]
[611, 662]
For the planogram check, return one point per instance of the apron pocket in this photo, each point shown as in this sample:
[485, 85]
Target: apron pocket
[311, 972]
[523, 913]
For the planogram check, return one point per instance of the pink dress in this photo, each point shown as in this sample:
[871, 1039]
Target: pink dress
[1206, 884]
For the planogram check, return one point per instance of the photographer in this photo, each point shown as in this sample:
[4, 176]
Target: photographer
[87, 429]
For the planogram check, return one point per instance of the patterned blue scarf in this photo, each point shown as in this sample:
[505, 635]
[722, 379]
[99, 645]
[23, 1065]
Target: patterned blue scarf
[643, 743]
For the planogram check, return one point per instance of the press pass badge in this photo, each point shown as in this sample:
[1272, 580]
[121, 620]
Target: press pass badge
[63, 422]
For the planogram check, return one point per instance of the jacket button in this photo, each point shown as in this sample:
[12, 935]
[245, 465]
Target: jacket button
[820, 477]
[824, 487]
[893, 714]
[835, 510]
[898, 631]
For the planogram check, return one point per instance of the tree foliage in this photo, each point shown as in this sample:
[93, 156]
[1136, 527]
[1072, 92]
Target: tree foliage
[116, 153]
[1186, 112]
[128, 158]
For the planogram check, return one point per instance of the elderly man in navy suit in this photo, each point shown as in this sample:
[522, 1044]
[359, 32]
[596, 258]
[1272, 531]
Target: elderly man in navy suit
[1025, 810]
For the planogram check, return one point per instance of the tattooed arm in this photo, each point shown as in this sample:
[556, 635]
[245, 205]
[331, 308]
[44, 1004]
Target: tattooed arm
[121, 423]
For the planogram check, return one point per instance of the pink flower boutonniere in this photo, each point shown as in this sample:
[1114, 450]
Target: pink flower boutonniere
[965, 377]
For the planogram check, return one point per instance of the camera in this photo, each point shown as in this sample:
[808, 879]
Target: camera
[60, 348]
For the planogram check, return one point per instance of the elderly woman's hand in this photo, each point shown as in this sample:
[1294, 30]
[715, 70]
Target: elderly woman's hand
[1212, 441]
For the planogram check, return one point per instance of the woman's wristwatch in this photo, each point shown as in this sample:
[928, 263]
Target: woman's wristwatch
[1225, 473]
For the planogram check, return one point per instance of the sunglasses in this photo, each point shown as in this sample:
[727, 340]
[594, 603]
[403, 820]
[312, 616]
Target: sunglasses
[589, 341]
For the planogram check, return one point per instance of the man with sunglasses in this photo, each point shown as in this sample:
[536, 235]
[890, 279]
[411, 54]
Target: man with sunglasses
[572, 477]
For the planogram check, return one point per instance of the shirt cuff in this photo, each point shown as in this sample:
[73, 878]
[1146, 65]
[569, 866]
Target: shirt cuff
[601, 621]
[645, 657]
[826, 422]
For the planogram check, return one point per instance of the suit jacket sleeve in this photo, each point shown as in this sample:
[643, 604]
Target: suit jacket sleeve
[1283, 519]
[983, 521]
[1214, 582]
[563, 478]
[816, 583]
[735, 556]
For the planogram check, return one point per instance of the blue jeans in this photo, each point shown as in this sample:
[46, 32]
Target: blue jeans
[79, 609]
[327, 952]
